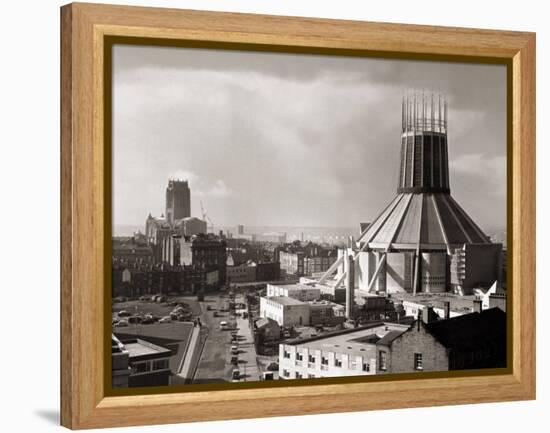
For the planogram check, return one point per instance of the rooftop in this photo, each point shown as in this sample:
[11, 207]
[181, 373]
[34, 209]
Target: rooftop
[435, 220]
[139, 347]
[294, 287]
[172, 336]
[264, 321]
[354, 341]
[285, 300]
[437, 300]
[471, 329]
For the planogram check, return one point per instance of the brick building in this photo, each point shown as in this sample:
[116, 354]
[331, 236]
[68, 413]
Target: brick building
[471, 341]
[206, 252]
[152, 279]
[299, 260]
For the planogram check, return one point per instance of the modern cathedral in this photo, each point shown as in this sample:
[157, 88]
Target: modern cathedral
[423, 241]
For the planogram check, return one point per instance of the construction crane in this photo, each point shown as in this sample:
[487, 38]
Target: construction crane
[207, 219]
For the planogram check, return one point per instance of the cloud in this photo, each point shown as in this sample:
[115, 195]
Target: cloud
[478, 164]
[292, 139]
[220, 189]
[183, 175]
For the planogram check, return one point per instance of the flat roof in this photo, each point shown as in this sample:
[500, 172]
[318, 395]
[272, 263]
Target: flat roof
[285, 300]
[173, 336]
[294, 286]
[352, 340]
[436, 300]
[141, 347]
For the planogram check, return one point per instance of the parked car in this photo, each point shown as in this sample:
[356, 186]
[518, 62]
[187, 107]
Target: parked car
[165, 319]
[236, 375]
[124, 313]
[234, 350]
[223, 325]
[121, 324]
[235, 360]
[134, 319]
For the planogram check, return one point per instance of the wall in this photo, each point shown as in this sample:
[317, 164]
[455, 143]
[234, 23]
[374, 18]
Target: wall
[285, 315]
[240, 274]
[32, 153]
[352, 364]
[434, 355]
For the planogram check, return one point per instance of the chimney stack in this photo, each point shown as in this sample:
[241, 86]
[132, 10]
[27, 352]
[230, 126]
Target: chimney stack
[477, 306]
[447, 309]
[350, 286]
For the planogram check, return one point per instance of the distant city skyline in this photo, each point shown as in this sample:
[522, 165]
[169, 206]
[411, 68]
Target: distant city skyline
[269, 139]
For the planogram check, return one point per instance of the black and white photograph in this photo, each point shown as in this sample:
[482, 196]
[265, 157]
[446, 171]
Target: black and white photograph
[280, 216]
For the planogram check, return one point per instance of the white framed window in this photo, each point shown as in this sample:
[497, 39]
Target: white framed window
[382, 360]
[418, 361]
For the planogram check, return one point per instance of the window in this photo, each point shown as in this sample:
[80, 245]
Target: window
[324, 360]
[337, 362]
[298, 375]
[286, 373]
[286, 354]
[161, 364]
[311, 376]
[418, 361]
[366, 367]
[311, 359]
[141, 367]
[299, 356]
[382, 360]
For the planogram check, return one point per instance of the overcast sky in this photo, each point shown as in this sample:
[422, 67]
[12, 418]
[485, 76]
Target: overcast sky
[293, 140]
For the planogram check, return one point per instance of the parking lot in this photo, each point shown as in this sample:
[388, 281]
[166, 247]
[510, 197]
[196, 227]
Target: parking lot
[156, 309]
[173, 334]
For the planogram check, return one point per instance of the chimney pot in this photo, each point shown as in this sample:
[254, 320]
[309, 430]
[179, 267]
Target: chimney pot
[447, 309]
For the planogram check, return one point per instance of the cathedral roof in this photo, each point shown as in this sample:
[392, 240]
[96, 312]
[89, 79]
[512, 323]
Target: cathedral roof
[425, 221]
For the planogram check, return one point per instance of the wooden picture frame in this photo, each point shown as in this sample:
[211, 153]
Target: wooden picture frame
[85, 28]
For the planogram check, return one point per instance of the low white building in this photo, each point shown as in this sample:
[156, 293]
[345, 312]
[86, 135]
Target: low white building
[353, 352]
[301, 292]
[413, 308]
[286, 311]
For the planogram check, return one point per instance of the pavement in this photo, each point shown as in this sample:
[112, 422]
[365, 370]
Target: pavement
[248, 362]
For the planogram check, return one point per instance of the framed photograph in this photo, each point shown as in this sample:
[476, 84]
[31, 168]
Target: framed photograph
[268, 216]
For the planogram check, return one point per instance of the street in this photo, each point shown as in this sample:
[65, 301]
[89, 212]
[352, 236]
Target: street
[215, 363]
